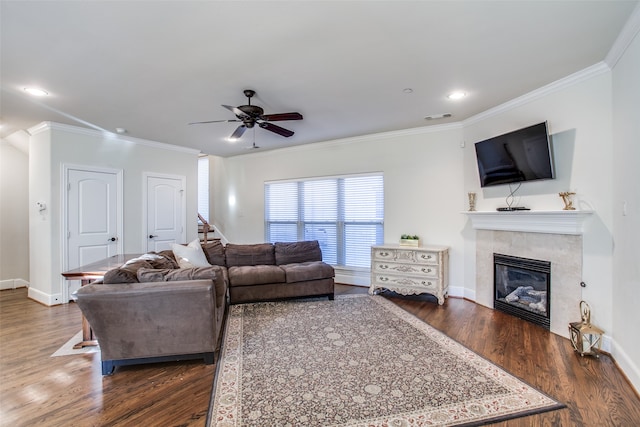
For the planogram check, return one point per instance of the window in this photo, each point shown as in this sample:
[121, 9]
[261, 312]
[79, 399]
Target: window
[203, 187]
[345, 214]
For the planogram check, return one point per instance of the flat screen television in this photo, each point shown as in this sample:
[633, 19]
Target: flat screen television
[521, 155]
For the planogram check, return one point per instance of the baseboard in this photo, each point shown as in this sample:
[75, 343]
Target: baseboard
[457, 291]
[353, 277]
[43, 298]
[13, 284]
[629, 367]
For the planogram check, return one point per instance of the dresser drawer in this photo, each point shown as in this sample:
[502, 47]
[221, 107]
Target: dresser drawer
[412, 269]
[393, 281]
[427, 257]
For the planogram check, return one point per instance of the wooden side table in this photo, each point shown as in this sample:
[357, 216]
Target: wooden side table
[88, 274]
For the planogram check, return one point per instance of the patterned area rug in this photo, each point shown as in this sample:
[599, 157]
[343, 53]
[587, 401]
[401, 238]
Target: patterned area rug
[356, 361]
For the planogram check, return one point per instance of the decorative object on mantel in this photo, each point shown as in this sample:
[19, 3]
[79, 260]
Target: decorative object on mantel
[585, 337]
[567, 198]
[409, 240]
[472, 201]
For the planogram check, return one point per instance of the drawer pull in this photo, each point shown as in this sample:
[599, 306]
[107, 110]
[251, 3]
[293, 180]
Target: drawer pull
[384, 279]
[426, 270]
[427, 283]
[384, 253]
[383, 266]
[423, 256]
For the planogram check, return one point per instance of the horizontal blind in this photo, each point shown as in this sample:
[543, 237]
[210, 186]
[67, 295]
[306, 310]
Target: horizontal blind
[344, 214]
[203, 187]
[281, 212]
[363, 218]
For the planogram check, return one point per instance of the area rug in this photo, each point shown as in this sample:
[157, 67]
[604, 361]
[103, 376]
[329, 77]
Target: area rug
[68, 350]
[357, 361]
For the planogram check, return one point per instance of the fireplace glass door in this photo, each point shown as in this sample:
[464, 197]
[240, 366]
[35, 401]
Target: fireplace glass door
[522, 288]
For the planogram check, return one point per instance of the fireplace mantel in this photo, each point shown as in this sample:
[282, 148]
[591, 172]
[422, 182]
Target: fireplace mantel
[552, 222]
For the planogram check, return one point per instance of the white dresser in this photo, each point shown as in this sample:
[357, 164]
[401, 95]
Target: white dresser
[410, 270]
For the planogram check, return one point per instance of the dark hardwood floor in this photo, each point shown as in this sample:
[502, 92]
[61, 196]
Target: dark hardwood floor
[39, 390]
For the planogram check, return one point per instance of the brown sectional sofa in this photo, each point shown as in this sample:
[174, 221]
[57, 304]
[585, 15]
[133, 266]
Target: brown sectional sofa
[151, 310]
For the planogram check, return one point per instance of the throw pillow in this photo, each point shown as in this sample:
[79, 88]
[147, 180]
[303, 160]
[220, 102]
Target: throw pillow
[190, 255]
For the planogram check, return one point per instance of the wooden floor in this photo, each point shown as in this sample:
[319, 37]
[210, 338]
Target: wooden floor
[39, 390]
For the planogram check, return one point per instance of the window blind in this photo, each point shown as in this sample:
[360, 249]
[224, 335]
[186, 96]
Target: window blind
[345, 214]
[203, 187]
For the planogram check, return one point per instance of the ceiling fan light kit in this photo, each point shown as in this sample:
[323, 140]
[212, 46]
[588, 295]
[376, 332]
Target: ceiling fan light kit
[250, 115]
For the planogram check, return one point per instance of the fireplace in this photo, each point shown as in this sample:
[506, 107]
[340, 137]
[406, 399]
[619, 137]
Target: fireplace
[522, 288]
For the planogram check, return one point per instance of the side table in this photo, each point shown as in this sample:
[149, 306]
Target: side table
[88, 274]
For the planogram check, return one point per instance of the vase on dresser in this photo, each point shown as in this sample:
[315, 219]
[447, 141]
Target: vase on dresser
[410, 270]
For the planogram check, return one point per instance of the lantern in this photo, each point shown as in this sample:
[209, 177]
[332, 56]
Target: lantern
[585, 337]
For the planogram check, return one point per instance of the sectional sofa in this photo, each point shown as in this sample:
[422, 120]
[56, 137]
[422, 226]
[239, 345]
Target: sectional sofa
[171, 305]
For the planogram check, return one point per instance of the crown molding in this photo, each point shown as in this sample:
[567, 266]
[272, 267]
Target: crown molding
[563, 83]
[363, 138]
[45, 126]
[626, 36]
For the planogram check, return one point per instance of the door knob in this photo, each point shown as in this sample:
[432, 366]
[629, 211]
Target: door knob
[151, 236]
[113, 239]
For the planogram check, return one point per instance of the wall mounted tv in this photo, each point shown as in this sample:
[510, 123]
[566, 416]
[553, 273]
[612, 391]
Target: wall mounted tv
[521, 155]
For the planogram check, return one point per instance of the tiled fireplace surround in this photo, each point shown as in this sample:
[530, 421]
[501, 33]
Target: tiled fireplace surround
[532, 235]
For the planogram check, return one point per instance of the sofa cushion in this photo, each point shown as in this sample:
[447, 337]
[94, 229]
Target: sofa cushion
[214, 251]
[174, 275]
[126, 273]
[305, 271]
[256, 254]
[255, 275]
[290, 253]
[191, 255]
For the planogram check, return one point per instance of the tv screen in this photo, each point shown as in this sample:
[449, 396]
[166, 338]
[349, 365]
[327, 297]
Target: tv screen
[521, 155]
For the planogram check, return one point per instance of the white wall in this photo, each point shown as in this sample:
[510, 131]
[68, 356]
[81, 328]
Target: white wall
[52, 146]
[626, 222]
[14, 216]
[423, 184]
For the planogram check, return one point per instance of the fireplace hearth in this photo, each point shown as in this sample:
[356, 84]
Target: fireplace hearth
[522, 288]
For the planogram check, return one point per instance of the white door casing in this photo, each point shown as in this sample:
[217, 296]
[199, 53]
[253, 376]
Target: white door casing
[164, 211]
[92, 218]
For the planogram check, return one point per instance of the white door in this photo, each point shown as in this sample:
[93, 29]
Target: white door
[165, 212]
[92, 223]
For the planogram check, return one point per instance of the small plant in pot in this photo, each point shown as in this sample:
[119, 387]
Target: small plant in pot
[409, 240]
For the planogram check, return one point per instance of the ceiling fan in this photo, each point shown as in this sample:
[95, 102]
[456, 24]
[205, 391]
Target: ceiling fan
[250, 115]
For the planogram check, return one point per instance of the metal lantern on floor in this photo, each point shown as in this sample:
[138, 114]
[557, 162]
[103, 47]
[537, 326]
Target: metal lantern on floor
[585, 337]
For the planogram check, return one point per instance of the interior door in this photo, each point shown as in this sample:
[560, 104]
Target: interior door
[165, 212]
[92, 218]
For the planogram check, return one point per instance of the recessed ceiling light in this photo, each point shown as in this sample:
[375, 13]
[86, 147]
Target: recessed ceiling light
[456, 95]
[121, 130]
[407, 90]
[36, 91]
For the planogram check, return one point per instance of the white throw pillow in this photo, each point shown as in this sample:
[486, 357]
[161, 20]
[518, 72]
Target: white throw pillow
[191, 255]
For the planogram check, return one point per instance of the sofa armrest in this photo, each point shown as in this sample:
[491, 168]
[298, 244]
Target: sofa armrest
[154, 319]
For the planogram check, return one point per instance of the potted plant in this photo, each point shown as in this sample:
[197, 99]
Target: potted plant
[409, 240]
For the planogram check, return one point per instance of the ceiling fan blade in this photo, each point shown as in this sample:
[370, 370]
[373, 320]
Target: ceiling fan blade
[235, 110]
[214, 121]
[282, 116]
[277, 129]
[238, 132]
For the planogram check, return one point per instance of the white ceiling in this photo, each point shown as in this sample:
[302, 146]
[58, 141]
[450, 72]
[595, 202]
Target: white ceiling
[151, 67]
